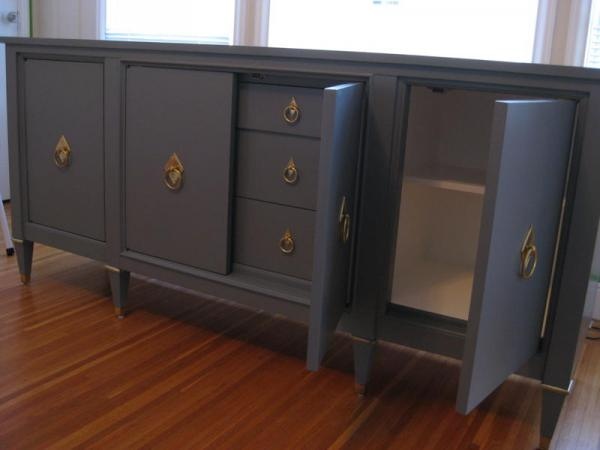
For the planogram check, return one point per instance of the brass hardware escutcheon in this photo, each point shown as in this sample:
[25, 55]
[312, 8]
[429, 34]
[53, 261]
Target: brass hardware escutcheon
[286, 243]
[529, 255]
[62, 153]
[291, 113]
[173, 175]
[290, 172]
[344, 221]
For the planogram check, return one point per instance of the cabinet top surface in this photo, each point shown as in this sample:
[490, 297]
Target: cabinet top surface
[370, 60]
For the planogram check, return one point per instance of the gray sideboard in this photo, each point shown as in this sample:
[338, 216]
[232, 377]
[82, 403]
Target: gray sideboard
[447, 205]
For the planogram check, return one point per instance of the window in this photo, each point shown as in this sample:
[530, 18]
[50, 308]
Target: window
[497, 30]
[592, 50]
[195, 21]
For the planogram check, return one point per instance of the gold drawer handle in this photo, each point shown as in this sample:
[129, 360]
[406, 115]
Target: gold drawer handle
[344, 221]
[62, 153]
[173, 176]
[529, 255]
[286, 243]
[290, 172]
[291, 113]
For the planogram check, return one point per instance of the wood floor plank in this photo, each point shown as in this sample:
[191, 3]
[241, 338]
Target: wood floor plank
[184, 371]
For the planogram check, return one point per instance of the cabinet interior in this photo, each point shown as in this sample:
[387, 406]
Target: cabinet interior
[443, 185]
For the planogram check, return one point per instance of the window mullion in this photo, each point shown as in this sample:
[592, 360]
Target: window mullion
[251, 22]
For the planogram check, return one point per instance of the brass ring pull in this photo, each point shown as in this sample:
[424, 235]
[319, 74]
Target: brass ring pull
[344, 221]
[286, 243]
[173, 175]
[62, 153]
[290, 172]
[529, 258]
[529, 255]
[291, 113]
[173, 179]
[345, 228]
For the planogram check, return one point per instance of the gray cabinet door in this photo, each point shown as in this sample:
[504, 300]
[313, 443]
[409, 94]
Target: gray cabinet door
[187, 113]
[64, 119]
[529, 154]
[340, 139]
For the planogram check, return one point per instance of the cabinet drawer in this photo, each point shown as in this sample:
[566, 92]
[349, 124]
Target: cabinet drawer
[179, 120]
[264, 157]
[262, 107]
[65, 155]
[259, 230]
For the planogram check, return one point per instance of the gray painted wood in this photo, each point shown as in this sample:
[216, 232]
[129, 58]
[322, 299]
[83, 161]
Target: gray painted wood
[257, 55]
[423, 330]
[259, 226]
[261, 160]
[261, 108]
[187, 112]
[65, 98]
[569, 319]
[16, 161]
[80, 245]
[119, 286]
[267, 292]
[552, 403]
[387, 105]
[364, 353]
[527, 170]
[24, 252]
[380, 72]
[114, 159]
[341, 127]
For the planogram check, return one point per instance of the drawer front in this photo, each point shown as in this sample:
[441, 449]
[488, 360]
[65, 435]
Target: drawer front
[266, 107]
[278, 168]
[259, 230]
[65, 176]
[179, 128]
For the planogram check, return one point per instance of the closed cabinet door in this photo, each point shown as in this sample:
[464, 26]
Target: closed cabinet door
[528, 160]
[178, 138]
[64, 146]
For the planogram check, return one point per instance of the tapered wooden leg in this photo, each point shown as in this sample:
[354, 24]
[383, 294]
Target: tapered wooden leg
[24, 251]
[552, 403]
[364, 351]
[119, 285]
[544, 443]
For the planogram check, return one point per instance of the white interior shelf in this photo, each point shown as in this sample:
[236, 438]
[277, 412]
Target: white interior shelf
[450, 177]
[436, 287]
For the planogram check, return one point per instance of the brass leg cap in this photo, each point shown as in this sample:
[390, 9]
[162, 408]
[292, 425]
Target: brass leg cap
[119, 312]
[360, 389]
[544, 443]
[25, 279]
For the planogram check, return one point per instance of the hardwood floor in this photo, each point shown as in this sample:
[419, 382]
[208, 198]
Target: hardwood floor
[182, 371]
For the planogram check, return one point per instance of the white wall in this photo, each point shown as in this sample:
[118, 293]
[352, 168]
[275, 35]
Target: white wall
[4, 180]
[21, 28]
[67, 19]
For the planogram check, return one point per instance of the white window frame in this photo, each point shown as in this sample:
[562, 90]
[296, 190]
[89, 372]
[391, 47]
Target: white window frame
[24, 18]
[561, 32]
[251, 22]
[560, 36]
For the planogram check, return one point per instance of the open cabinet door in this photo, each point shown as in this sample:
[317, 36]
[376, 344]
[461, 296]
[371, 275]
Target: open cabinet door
[529, 155]
[340, 140]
